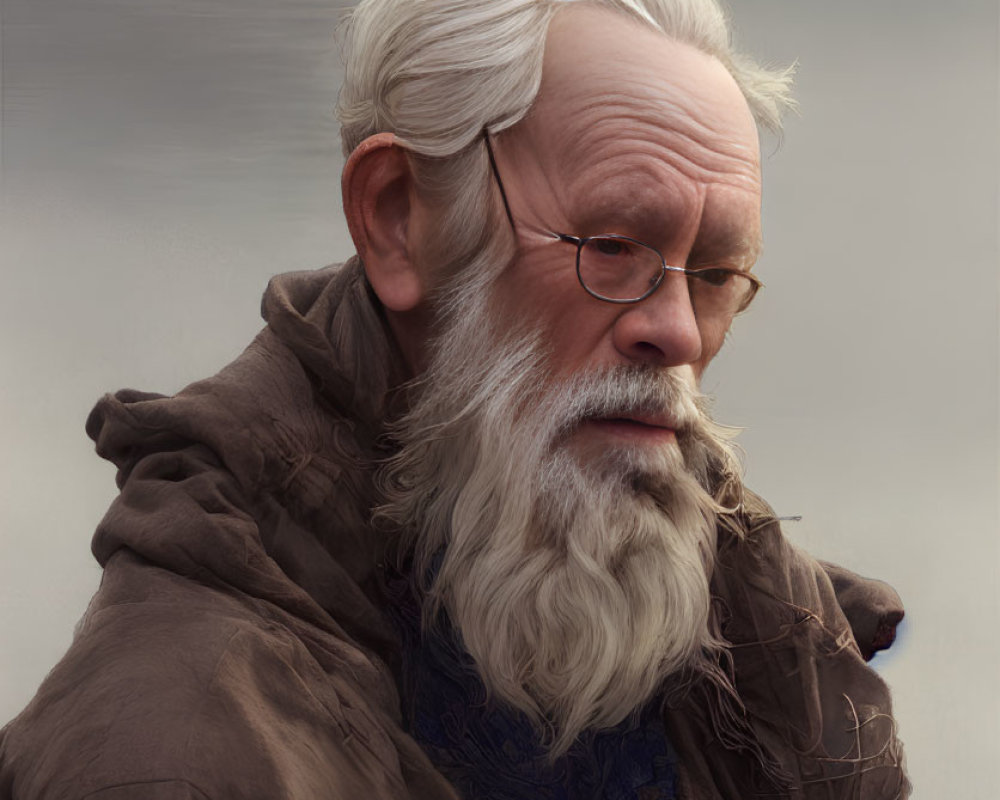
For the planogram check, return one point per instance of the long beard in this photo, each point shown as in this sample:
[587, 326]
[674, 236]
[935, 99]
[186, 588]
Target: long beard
[577, 585]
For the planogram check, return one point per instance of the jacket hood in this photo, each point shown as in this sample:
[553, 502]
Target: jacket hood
[259, 478]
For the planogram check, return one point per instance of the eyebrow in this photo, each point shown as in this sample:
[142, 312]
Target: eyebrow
[751, 248]
[634, 218]
[651, 226]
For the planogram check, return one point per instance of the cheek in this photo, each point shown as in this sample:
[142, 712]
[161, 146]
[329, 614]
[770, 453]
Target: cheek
[533, 283]
[713, 337]
[576, 333]
[712, 341]
[543, 293]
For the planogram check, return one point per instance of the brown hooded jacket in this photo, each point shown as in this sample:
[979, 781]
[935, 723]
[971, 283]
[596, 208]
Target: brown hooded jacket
[237, 647]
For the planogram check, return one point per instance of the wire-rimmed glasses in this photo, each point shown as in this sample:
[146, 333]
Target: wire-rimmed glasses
[619, 269]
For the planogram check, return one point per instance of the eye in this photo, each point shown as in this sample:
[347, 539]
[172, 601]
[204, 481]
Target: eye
[611, 247]
[715, 276]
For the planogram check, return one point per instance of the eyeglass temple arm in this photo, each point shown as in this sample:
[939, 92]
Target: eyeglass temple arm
[496, 174]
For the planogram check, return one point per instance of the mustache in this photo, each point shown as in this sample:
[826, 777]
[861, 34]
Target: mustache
[629, 391]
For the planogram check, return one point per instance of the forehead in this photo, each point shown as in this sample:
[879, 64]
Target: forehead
[624, 105]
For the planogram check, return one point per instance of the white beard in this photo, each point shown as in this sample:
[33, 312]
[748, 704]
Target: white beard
[576, 587]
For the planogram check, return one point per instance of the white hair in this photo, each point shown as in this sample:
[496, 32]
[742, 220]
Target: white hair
[436, 73]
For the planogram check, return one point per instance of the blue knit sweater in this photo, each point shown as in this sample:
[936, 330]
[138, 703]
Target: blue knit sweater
[490, 751]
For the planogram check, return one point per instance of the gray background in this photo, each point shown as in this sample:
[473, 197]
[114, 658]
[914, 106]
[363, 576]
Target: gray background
[160, 160]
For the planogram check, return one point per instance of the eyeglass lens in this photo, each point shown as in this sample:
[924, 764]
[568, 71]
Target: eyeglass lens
[621, 269]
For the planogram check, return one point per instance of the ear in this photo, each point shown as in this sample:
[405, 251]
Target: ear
[376, 188]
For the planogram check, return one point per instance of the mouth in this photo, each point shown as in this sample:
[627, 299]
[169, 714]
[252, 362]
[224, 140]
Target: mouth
[635, 429]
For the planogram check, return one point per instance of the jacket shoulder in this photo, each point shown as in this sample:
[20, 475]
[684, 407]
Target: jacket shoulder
[809, 696]
[178, 690]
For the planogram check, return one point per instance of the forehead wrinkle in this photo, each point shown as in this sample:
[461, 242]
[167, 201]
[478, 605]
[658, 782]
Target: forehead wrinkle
[642, 195]
[632, 207]
[629, 129]
[638, 94]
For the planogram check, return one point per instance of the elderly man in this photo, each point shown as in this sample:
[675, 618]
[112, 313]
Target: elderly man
[457, 523]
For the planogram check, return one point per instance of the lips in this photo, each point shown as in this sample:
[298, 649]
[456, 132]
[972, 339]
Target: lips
[645, 428]
[647, 422]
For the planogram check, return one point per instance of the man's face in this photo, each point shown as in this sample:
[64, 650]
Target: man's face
[632, 134]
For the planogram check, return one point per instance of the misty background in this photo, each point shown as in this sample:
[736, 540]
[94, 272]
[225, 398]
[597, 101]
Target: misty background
[161, 160]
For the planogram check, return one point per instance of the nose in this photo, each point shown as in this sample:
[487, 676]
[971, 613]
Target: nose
[660, 330]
